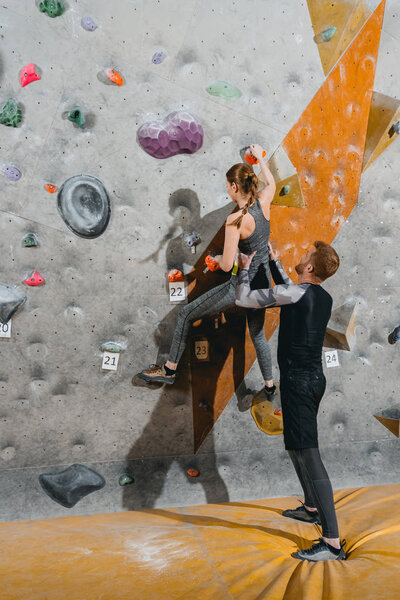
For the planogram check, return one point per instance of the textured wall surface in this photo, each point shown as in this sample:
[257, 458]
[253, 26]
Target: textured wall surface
[57, 407]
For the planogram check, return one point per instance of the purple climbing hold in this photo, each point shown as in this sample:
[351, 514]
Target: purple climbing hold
[88, 24]
[178, 133]
[12, 173]
[158, 57]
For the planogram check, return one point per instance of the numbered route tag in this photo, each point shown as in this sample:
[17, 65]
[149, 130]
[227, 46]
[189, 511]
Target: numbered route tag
[201, 349]
[177, 291]
[110, 361]
[332, 358]
[5, 329]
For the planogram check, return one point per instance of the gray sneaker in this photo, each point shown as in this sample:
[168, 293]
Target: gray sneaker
[321, 551]
[302, 514]
[157, 374]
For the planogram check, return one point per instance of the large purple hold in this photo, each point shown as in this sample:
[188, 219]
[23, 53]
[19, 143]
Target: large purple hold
[12, 173]
[178, 133]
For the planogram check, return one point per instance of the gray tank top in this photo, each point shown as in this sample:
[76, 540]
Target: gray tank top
[259, 273]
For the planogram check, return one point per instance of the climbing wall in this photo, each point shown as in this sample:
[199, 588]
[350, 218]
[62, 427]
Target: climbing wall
[118, 126]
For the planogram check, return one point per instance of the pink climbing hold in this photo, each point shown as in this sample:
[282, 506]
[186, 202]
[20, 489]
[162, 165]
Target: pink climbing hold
[34, 279]
[28, 74]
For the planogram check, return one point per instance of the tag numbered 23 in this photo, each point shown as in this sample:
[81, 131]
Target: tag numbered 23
[177, 291]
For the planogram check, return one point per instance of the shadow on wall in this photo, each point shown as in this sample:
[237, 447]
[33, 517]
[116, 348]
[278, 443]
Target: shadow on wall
[184, 205]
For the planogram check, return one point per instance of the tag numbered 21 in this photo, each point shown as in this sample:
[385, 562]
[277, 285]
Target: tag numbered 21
[332, 358]
[177, 291]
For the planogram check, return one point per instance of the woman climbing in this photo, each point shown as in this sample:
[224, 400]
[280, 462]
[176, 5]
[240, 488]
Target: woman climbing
[247, 230]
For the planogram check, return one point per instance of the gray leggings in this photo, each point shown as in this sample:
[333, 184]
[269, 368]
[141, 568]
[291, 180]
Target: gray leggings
[317, 487]
[212, 302]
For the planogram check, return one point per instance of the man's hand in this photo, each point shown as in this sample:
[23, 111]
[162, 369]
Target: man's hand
[244, 260]
[272, 253]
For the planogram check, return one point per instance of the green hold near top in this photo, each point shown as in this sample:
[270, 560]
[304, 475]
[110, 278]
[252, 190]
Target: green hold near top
[54, 8]
[11, 114]
[30, 240]
[223, 89]
[111, 347]
[328, 34]
[126, 479]
[285, 190]
[76, 116]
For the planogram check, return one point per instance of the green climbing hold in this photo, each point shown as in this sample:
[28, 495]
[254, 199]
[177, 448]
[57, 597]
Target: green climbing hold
[11, 114]
[54, 8]
[223, 89]
[285, 190]
[30, 240]
[126, 479]
[76, 116]
[328, 34]
[111, 347]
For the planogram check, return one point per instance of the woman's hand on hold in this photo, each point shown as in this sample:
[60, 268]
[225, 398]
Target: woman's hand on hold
[244, 260]
[272, 253]
[257, 151]
[218, 258]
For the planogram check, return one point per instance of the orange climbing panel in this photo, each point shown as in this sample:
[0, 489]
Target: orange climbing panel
[326, 148]
[382, 126]
[238, 551]
[346, 18]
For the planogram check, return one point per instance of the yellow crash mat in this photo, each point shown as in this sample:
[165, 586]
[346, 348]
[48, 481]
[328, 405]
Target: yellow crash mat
[237, 550]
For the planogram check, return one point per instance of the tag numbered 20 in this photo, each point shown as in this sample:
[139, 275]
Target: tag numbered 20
[5, 330]
[177, 291]
[110, 361]
[332, 358]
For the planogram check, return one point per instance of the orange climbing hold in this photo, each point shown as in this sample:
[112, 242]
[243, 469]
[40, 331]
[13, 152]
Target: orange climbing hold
[34, 279]
[50, 188]
[251, 160]
[114, 76]
[193, 472]
[212, 264]
[175, 275]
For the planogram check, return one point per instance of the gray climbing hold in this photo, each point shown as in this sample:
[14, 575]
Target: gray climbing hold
[395, 129]
[11, 172]
[394, 336]
[88, 24]
[192, 239]
[84, 205]
[111, 347]
[285, 190]
[126, 479]
[30, 240]
[11, 300]
[69, 486]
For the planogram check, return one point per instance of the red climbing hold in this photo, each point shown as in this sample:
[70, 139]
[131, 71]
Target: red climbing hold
[34, 279]
[278, 411]
[175, 275]
[251, 160]
[50, 188]
[28, 74]
[212, 264]
[193, 472]
[114, 76]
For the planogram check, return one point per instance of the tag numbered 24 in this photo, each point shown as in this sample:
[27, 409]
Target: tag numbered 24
[332, 358]
[177, 291]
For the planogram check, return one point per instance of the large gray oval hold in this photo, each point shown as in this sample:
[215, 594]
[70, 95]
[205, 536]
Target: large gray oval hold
[84, 205]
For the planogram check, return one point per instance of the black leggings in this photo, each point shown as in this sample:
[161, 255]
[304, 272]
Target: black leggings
[316, 487]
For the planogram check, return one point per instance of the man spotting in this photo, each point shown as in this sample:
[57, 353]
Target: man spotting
[305, 312]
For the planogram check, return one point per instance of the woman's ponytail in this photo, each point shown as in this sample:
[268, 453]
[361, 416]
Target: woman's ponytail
[247, 182]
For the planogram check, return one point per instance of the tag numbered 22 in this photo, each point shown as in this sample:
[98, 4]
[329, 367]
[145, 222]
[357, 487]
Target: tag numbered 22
[5, 330]
[177, 291]
[332, 358]
[110, 361]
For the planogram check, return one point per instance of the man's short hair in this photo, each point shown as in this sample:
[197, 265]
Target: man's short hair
[325, 260]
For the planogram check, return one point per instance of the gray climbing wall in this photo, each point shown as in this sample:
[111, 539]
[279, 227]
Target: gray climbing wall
[57, 406]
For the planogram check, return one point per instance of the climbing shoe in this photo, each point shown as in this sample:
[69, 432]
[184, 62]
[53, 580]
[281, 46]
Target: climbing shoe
[302, 514]
[156, 373]
[321, 551]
